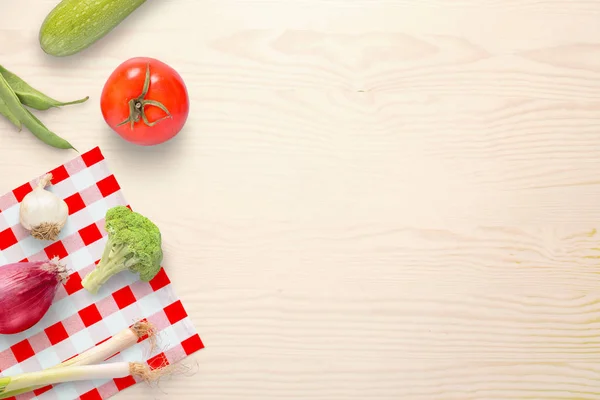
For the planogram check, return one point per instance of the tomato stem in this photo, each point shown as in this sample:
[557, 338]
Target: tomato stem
[137, 106]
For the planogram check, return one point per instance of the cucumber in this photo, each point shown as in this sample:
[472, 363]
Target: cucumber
[74, 25]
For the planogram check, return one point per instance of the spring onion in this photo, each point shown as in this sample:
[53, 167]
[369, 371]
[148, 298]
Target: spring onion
[80, 373]
[119, 342]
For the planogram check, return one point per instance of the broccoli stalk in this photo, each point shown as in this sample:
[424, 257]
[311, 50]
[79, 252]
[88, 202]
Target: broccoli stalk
[134, 244]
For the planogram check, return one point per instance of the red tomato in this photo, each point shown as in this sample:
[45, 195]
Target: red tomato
[147, 118]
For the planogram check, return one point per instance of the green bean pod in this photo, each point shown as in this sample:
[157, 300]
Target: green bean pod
[30, 96]
[9, 115]
[34, 125]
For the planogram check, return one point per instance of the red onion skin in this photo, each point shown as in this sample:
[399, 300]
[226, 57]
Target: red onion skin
[27, 290]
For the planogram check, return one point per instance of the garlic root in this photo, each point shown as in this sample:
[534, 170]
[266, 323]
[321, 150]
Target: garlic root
[46, 231]
[42, 212]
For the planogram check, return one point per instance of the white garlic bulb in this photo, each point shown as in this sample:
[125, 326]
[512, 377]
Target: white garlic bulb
[42, 212]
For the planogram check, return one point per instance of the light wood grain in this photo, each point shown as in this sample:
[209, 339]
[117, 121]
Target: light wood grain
[375, 199]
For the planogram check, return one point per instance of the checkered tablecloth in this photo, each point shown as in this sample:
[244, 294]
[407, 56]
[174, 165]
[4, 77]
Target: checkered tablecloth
[78, 320]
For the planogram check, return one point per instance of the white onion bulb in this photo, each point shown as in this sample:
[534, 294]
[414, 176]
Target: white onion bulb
[43, 213]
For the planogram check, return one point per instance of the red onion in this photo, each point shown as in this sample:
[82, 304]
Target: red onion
[27, 290]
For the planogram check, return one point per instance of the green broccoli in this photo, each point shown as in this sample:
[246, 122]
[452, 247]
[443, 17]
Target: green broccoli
[134, 244]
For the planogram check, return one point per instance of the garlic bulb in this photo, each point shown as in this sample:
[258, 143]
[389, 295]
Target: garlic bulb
[43, 213]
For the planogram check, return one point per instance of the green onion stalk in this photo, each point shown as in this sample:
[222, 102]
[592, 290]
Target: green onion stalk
[79, 373]
[13, 386]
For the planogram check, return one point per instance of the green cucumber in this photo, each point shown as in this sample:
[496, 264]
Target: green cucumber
[74, 25]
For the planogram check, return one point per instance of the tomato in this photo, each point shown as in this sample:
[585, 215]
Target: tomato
[145, 118]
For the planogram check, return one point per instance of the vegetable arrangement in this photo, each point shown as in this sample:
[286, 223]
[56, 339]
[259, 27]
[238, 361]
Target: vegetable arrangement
[27, 291]
[28, 288]
[144, 101]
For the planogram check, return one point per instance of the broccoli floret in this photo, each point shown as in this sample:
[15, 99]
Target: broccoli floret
[134, 244]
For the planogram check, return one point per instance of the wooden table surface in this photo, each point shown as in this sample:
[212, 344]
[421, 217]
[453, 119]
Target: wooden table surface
[372, 199]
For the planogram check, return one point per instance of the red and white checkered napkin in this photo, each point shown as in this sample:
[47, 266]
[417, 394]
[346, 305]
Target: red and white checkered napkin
[78, 320]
